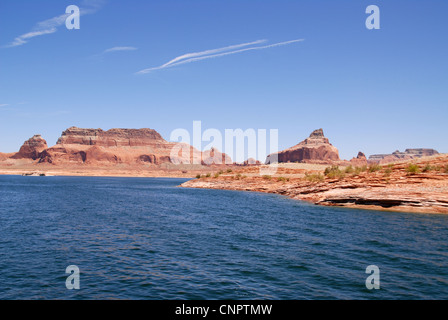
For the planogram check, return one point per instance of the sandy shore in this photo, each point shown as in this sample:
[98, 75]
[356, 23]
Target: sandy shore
[174, 171]
[389, 188]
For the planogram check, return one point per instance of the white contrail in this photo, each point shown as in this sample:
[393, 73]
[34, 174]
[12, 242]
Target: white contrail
[24, 37]
[202, 53]
[209, 54]
[236, 51]
[119, 49]
[213, 51]
[50, 25]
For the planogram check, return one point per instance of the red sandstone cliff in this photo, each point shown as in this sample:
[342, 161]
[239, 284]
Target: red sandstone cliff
[92, 146]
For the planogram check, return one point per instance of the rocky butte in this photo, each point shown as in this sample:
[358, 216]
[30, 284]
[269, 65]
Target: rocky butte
[359, 161]
[32, 148]
[315, 149]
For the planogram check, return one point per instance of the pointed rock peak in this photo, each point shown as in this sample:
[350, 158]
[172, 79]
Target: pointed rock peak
[36, 140]
[316, 137]
[317, 134]
[360, 160]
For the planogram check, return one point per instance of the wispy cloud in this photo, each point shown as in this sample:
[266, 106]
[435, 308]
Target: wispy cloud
[4, 105]
[215, 53]
[114, 49]
[51, 25]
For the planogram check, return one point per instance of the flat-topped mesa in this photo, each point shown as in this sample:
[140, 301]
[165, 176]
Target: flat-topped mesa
[111, 138]
[32, 148]
[408, 154]
[421, 152]
[315, 149]
[132, 147]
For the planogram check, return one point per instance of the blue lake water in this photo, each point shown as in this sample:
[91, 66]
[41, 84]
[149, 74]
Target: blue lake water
[144, 238]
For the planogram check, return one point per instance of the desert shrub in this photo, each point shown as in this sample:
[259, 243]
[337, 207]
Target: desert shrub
[243, 177]
[387, 172]
[238, 176]
[229, 170]
[349, 169]
[198, 176]
[334, 172]
[375, 168]
[208, 175]
[446, 169]
[428, 168]
[412, 168]
[282, 179]
[267, 177]
[364, 168]
[221, 172]
[330, 169]
[314, 177]
[216, 175]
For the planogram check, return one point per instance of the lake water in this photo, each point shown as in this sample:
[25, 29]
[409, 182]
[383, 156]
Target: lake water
[145, 238]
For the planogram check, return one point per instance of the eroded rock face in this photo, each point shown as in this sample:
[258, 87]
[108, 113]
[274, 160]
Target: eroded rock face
[408, 154]
[251, 162]
[5, 156]
[32, 148]
[315, 149]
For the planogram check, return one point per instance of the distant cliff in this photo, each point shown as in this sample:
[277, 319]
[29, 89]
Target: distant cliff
[397, 155]
[96, 147]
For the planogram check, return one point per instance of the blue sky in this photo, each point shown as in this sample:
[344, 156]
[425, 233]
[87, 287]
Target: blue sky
[370, 90]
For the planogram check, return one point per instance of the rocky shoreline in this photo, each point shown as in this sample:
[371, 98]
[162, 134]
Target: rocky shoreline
[418, 186]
